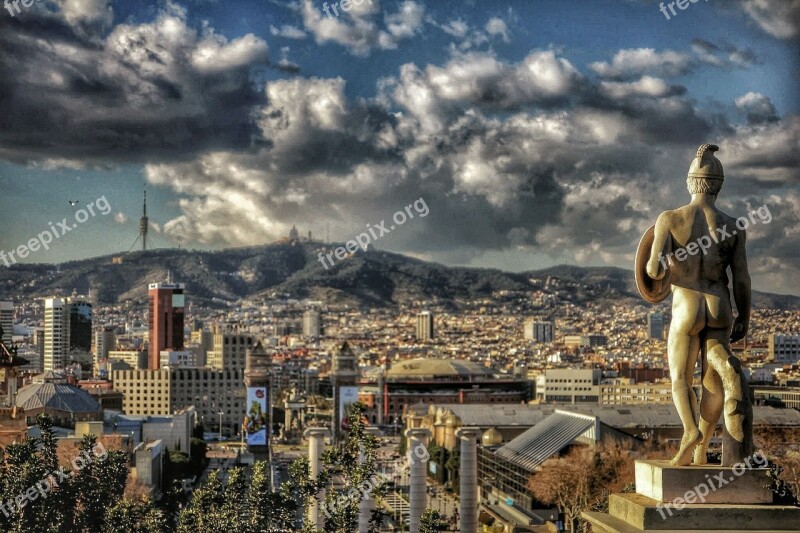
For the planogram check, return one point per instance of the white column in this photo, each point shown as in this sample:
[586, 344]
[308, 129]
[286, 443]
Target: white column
[468, 509]
[418, 459]
[316, 443]
[368, 501]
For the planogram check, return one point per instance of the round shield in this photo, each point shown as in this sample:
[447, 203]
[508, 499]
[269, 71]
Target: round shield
[652, 290]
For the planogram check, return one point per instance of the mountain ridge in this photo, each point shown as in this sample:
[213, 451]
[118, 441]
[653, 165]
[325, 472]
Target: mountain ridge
[370, 278]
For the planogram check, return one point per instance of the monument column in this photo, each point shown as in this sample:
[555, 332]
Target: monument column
[468, 484]
[316, 443]
[368, 501]
[418, 458]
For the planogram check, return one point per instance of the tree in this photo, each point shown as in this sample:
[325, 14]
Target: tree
[581, 479]
[135, 517]
[431, 522]
[354, 462]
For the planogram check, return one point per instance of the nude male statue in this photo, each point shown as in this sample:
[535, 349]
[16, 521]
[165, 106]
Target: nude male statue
[696, 244]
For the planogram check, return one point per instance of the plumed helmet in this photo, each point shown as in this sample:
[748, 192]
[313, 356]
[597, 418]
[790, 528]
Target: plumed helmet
[705, 164]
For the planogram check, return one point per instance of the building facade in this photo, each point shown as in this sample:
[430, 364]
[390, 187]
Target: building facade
[784, 348]
[425, 327]
[165, 320]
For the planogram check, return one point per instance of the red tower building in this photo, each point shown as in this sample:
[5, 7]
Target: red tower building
[165, 320]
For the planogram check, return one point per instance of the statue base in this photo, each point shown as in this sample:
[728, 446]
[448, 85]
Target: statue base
[693, 499]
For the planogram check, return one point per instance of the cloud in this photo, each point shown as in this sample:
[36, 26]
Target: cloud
[121, 218]
[151, 90]
[630, 63]
[728, 57]
[779, 18]
[758, 107]
[288, 31]
[496, 27]
[357, 29]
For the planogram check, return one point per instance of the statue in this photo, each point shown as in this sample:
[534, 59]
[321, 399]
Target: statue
[688, 252]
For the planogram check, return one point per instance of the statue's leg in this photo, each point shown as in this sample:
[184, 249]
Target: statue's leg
[710, 409]
[737, 409]
[683, 350]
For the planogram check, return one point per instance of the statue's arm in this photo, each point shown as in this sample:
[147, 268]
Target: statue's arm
[741, 288]
[656, 265]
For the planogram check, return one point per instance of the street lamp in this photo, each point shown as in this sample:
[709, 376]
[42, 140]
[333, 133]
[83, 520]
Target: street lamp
[220, 424]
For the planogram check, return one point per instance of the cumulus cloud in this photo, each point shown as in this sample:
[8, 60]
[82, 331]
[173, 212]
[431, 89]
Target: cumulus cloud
[157, 89]
[358, 30]
[758, 108]
[496, 27]
[633, 62]
[779, 18]
[121, 218]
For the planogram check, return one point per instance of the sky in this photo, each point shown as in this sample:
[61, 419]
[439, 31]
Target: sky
[537, 132]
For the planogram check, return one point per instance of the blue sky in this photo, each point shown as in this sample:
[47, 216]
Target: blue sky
[539, 132]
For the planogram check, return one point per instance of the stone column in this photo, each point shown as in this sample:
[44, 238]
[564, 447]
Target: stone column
[368, 501]
[418, 459]
[469, 478]
[316, 443]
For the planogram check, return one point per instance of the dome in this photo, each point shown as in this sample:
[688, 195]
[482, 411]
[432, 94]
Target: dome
[57, 396]
[491, 437]
[431, 368]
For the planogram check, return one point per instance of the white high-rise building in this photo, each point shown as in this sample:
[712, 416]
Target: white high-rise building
[67, 331]
[425, 330]
[7, 321]
[539, 331]
[312, 324]
[56, 333]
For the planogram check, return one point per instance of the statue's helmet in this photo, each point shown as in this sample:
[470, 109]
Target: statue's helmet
[705, 164]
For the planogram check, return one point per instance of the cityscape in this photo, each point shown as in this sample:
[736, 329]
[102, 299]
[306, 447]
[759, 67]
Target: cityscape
[394, 266]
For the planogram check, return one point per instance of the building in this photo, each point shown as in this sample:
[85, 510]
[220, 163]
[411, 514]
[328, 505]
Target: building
[570, 385]
[592, 340]
[64, 402]
[165, 320]
[230, 348]
[784, 348]
[312, 324]
[344, 380]
[105, 340]
[425, 329]
[134, 358]
[506, 469]
[655, 325]
[413, 382]
[183, 358]
[7, 321]
[166, 391]
[257, 422]
[67, 331]
[148, 458]
[539, 331]
[625, 391]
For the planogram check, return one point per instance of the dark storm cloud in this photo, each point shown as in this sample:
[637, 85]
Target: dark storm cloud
[152, 91]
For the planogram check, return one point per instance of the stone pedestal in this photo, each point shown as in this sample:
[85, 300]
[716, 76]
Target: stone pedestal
[694, 499]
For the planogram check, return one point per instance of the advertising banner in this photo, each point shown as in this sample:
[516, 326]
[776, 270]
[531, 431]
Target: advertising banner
[256, 421]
